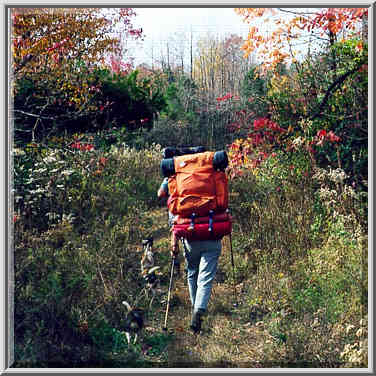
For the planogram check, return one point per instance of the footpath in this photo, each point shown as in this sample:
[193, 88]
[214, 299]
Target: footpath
[227, 340]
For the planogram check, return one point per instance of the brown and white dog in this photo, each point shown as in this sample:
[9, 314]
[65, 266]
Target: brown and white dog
[149, 270]
[152, 283]
[147, 259]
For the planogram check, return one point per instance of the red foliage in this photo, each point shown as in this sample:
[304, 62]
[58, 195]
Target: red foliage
[83, 147]
[225, 97]
[322, 136]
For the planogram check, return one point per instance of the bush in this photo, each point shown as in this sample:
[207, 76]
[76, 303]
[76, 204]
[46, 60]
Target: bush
[301, 246]
[79, 214]
[123, 101]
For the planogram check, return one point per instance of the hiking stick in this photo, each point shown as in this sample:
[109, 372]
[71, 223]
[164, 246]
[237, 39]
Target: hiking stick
[169, 292]
[233, 270]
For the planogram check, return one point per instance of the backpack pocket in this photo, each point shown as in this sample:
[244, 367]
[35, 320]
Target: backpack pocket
[221, 186]
[195, 204]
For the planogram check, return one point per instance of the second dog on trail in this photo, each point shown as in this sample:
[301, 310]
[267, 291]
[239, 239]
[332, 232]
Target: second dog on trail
[133, 322]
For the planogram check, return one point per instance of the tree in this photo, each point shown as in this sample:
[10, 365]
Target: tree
[318, 105]
[292, 28]
[54, 50]
[128, 101]
[219, 64]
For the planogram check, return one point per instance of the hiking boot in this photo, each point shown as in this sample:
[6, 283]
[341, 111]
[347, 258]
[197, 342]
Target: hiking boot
[197, 320]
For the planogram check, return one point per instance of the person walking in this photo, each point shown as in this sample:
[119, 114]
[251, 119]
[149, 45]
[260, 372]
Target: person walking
[202, 262]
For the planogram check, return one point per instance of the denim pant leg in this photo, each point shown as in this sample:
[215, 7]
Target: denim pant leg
[202, 258]
[192, 256]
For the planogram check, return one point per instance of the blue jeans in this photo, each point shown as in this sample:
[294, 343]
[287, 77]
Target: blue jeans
[202, 261]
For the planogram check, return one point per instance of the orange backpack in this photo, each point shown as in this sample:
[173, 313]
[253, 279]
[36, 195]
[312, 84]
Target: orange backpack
[197, 187]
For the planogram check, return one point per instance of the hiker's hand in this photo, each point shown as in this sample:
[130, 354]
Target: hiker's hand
[174, 248]
[174, 245]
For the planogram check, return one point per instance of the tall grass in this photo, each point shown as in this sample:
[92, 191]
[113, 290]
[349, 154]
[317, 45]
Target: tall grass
[79, 217]
[300, 245]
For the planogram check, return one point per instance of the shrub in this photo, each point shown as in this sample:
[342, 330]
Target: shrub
[79, 214]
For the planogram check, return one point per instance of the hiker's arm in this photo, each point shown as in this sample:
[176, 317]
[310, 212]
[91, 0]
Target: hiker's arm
[162, 193]
[163, 189]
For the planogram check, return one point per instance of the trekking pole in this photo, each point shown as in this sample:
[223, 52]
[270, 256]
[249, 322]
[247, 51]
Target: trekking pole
[233, 271]
[169, 292]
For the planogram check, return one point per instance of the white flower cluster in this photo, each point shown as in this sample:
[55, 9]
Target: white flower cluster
[305, 124]
[319, 174]
[357, 352]
[327, 194]
[67, 172]
[18, 152]
[337, 175]
[349, 191]
[298, 141]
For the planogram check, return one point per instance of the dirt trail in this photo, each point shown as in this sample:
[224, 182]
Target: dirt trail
[225, 341]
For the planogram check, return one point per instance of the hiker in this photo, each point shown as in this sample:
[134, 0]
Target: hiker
[202, 260]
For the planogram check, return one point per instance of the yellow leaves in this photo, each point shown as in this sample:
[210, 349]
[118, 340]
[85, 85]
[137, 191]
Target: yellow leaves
[359, 46]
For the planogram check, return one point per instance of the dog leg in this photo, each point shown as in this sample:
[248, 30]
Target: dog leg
[151, 301]
[135, 338]
[128, 337]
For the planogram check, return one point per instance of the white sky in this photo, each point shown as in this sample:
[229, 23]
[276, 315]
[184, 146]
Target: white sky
[166, 20]
[160, 24]
[175, 24]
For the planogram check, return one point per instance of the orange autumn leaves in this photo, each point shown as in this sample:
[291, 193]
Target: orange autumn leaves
[57, 48]
[276, 45]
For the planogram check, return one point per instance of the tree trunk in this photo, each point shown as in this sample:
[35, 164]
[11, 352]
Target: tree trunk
[365, 28]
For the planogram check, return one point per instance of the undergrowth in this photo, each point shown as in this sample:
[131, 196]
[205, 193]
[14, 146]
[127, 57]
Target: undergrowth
[299, 297]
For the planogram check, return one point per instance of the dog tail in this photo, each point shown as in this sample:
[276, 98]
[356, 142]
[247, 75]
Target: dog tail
[129, 308]
[153, 269]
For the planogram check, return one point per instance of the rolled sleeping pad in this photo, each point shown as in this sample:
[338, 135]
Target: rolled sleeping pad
[199, 149]
[167, 167]
[192, 150]
[170, 152]
[220, 160]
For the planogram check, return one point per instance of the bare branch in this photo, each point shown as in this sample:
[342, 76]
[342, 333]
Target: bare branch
[331, 88]
[34, 115]
[297, 13]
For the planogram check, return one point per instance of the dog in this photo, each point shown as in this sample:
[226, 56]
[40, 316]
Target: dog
[152, 282]
[133, 323]
[147, 260]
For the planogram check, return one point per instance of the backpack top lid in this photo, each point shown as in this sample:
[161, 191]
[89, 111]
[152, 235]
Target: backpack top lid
[220, 162]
